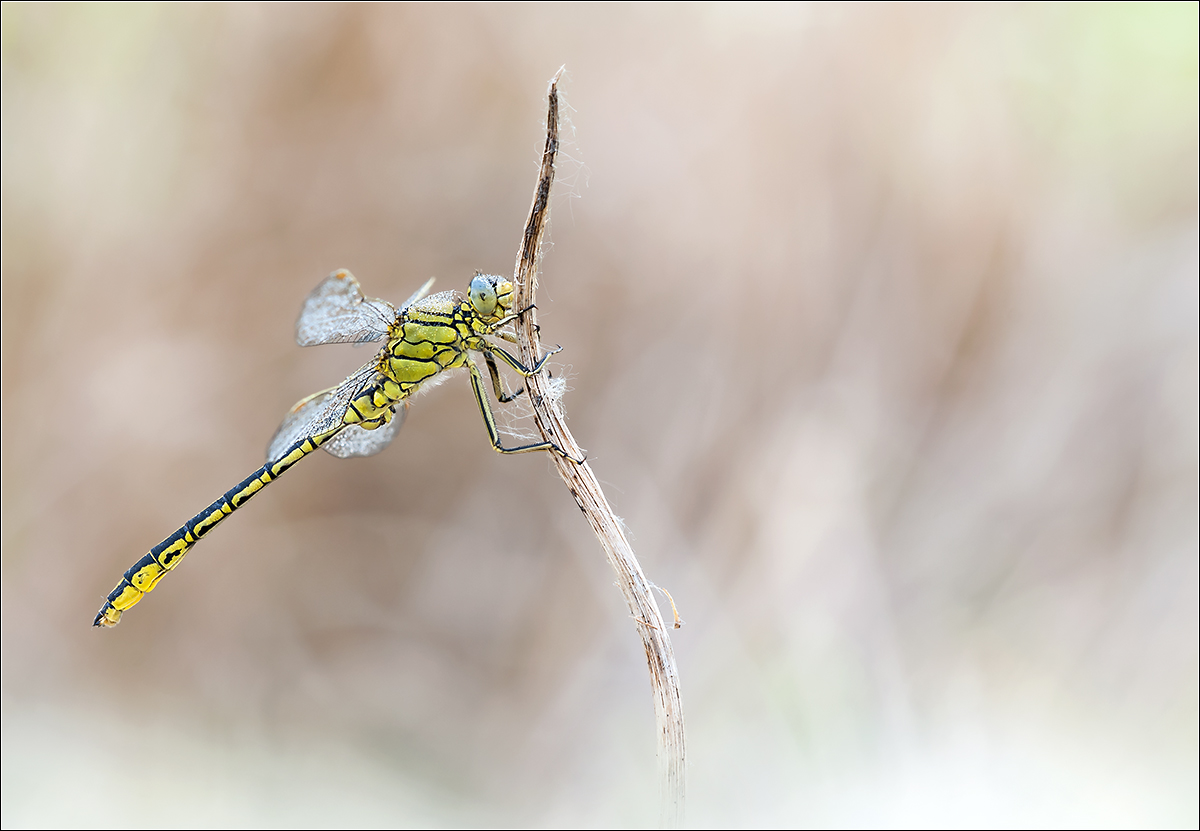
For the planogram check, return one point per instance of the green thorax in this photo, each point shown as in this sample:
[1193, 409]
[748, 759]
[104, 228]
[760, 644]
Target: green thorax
[428, 337]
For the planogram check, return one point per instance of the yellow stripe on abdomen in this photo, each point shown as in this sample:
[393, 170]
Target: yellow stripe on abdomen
[144, 575]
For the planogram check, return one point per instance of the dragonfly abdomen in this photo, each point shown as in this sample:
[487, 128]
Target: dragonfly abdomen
[144, 575]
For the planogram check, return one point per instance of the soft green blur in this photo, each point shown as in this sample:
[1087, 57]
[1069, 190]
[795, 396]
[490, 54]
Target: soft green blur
[881, 332]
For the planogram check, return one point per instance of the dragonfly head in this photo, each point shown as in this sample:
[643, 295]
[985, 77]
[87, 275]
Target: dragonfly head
[491, 296]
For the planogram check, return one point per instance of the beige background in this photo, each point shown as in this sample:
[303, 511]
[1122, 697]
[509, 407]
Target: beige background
[881, 329]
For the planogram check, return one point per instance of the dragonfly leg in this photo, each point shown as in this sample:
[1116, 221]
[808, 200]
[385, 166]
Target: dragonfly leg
[509, 336]
[497, 383]
[509, 318]
[489, 420]
[517, 365]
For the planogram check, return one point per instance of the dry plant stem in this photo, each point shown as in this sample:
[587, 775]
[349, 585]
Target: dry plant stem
[548, 415]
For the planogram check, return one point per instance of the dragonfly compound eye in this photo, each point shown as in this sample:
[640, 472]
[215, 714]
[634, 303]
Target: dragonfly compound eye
[483, 295]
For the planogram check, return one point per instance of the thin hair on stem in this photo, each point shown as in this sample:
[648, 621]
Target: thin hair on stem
[550, 422]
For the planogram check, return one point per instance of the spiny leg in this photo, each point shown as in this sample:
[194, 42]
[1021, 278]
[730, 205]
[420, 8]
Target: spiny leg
[489, 420]
[504, 334]
[509, 318]
[499, 332]
[514, 363]
[497, 383]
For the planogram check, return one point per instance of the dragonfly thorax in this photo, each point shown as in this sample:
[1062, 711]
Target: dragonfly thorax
[428, 338]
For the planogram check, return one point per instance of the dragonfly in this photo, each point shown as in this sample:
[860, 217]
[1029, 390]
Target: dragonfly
[426, 336]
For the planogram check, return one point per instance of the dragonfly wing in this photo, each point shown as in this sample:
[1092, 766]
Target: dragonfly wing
[295, 425]
[321, 412]
[330, 415]
[355, 441]
[337, 312]
[418, 294]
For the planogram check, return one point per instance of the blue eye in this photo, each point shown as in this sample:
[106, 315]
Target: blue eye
[483, 295]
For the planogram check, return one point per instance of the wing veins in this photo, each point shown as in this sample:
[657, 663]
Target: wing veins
[337, 312]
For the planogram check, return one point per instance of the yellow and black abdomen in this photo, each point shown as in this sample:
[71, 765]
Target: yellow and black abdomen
[428, 338]
[144, 575]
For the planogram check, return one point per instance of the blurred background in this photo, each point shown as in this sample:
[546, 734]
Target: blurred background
[880, 325]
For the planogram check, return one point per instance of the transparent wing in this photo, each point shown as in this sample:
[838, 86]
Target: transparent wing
[355, 441]
[323, 411]
[337, 312]
[418, 294]
[330, 415]
[295, 424]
